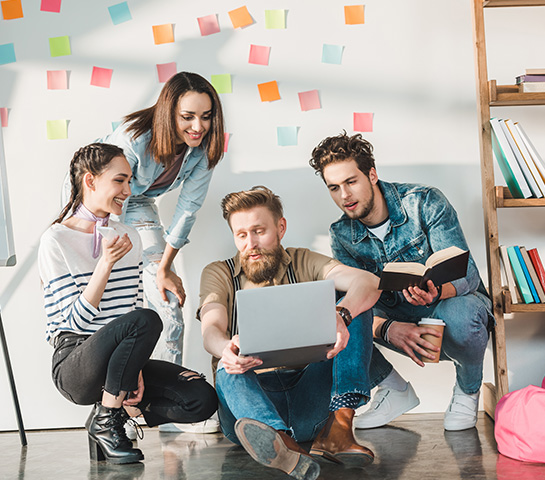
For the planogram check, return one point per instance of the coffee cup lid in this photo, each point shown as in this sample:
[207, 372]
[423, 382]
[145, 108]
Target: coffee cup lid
[431, 321]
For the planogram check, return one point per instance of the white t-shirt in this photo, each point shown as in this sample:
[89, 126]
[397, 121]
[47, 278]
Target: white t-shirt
[66, 264]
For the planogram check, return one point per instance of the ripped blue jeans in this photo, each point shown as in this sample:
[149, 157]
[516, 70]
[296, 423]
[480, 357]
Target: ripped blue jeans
[142, 215]
[298, 400]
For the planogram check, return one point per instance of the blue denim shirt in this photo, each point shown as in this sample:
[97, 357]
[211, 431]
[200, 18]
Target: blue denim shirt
[422, 221]
[194, 174]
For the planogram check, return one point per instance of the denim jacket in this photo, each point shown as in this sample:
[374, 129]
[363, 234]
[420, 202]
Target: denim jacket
[422, 221]
[194, 174]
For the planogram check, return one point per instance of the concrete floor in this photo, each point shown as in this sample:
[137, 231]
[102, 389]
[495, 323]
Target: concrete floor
[414, 447]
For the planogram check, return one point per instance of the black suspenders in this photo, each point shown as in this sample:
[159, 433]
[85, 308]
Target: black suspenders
[236, 287]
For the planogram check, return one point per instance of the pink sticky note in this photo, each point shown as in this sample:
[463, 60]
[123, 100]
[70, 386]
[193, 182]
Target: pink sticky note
[57, 80]
[309, 100]
[165, 71]
[209, 25]
[4, 116]
[259, 55]
[225, 142]
[51, 6]
[101, 77]
[363, 122]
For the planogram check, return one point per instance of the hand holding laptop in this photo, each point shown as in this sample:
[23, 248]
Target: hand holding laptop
[235, 363]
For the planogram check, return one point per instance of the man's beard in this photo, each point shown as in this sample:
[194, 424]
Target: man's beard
[264, 269]
[367, 209]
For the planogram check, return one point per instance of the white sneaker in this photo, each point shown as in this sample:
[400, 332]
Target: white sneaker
[207, 426]
[387, 405]
[461, 414]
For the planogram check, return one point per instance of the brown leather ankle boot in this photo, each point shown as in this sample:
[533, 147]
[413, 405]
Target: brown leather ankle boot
[336, 441]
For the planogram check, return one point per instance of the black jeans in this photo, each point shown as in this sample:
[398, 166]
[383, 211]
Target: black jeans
[110, 359]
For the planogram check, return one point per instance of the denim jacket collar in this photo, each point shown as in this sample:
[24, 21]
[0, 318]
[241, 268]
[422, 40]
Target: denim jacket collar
[396, 212]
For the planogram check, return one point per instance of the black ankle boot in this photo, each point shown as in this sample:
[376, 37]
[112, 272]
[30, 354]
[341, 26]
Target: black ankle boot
[107, 438]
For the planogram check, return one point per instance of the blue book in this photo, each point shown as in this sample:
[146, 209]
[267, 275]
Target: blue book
[527, 275]
[524, 288]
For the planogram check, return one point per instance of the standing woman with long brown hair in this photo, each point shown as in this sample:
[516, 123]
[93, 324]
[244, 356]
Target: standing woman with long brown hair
[177, 141]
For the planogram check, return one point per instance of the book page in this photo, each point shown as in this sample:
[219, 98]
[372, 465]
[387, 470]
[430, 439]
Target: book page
[412, 268]
[443, 255]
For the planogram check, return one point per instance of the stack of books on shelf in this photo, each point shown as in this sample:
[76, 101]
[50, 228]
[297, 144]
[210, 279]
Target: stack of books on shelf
[532, 81]
[524, 273]
[520, 163]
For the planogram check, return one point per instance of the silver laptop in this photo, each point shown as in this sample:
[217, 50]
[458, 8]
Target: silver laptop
[287, 325]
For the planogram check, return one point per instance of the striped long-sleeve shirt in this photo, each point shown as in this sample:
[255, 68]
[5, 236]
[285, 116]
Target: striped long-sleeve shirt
[66, 264]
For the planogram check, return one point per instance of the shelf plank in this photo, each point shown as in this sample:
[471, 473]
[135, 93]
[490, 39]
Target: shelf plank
[527, 307]
[512, 3]
[504, 199]
[509, 95]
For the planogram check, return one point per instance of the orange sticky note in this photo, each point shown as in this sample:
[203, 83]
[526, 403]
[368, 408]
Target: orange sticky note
[4, 116]
[12, 9]
[353, 15]
[269, 91]
[363, 122]
[240, 17]
[163, 33]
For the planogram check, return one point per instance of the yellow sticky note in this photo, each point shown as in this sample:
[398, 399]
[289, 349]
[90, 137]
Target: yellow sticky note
[163, 33]
[354, 15]
[275, 19]
[269, 91]
[222, 83]
[240, 17]
[60, 46]
[57, 129]
[12, 9]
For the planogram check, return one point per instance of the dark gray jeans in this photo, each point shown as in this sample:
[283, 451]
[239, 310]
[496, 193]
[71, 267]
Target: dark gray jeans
[110, 359]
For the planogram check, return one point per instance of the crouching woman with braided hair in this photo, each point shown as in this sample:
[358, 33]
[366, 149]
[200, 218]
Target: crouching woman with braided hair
[102, 336]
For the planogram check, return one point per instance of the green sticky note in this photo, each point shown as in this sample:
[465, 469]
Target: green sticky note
[222, 83]
[275, 19]
[59, 46]
[286, 136]
[57, 129]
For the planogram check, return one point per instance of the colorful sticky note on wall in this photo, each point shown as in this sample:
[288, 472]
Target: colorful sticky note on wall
[116, 124]
[57, 80]
[208, 25]
[57, 129]
[120, 13]
[259, 55]
[59, 46]
[286, 136]
[165, 71]
[309, 100]
[7, 53]
[51, 6]
[12, 9]
[222, 83]
[332, 54]
[275, 19]
[225, 142]
[101, 77]
[354, 15]
[163, 33]
[240, 17]
[4, 117]
[269, 91]
[363, 122]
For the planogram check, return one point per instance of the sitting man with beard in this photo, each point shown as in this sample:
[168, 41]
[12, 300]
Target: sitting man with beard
[269, 411]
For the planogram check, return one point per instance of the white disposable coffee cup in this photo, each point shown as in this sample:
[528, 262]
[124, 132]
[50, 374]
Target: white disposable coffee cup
[435, 324]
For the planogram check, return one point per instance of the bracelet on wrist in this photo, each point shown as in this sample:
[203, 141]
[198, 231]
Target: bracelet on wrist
[384, 330]
[437, 298]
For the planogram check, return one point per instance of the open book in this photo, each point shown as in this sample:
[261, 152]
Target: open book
[441, 267]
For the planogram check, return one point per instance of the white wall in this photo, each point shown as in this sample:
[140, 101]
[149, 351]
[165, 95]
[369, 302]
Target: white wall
[411, 64]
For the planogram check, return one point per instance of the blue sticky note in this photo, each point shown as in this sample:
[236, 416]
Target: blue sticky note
[332, 54]
[7, 53]
[287, 136]
[120, 13]
[116, 124]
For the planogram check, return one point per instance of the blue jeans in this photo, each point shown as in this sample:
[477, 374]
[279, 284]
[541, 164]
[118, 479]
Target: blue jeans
[298, 400]
[142, 215]
[465, 336]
